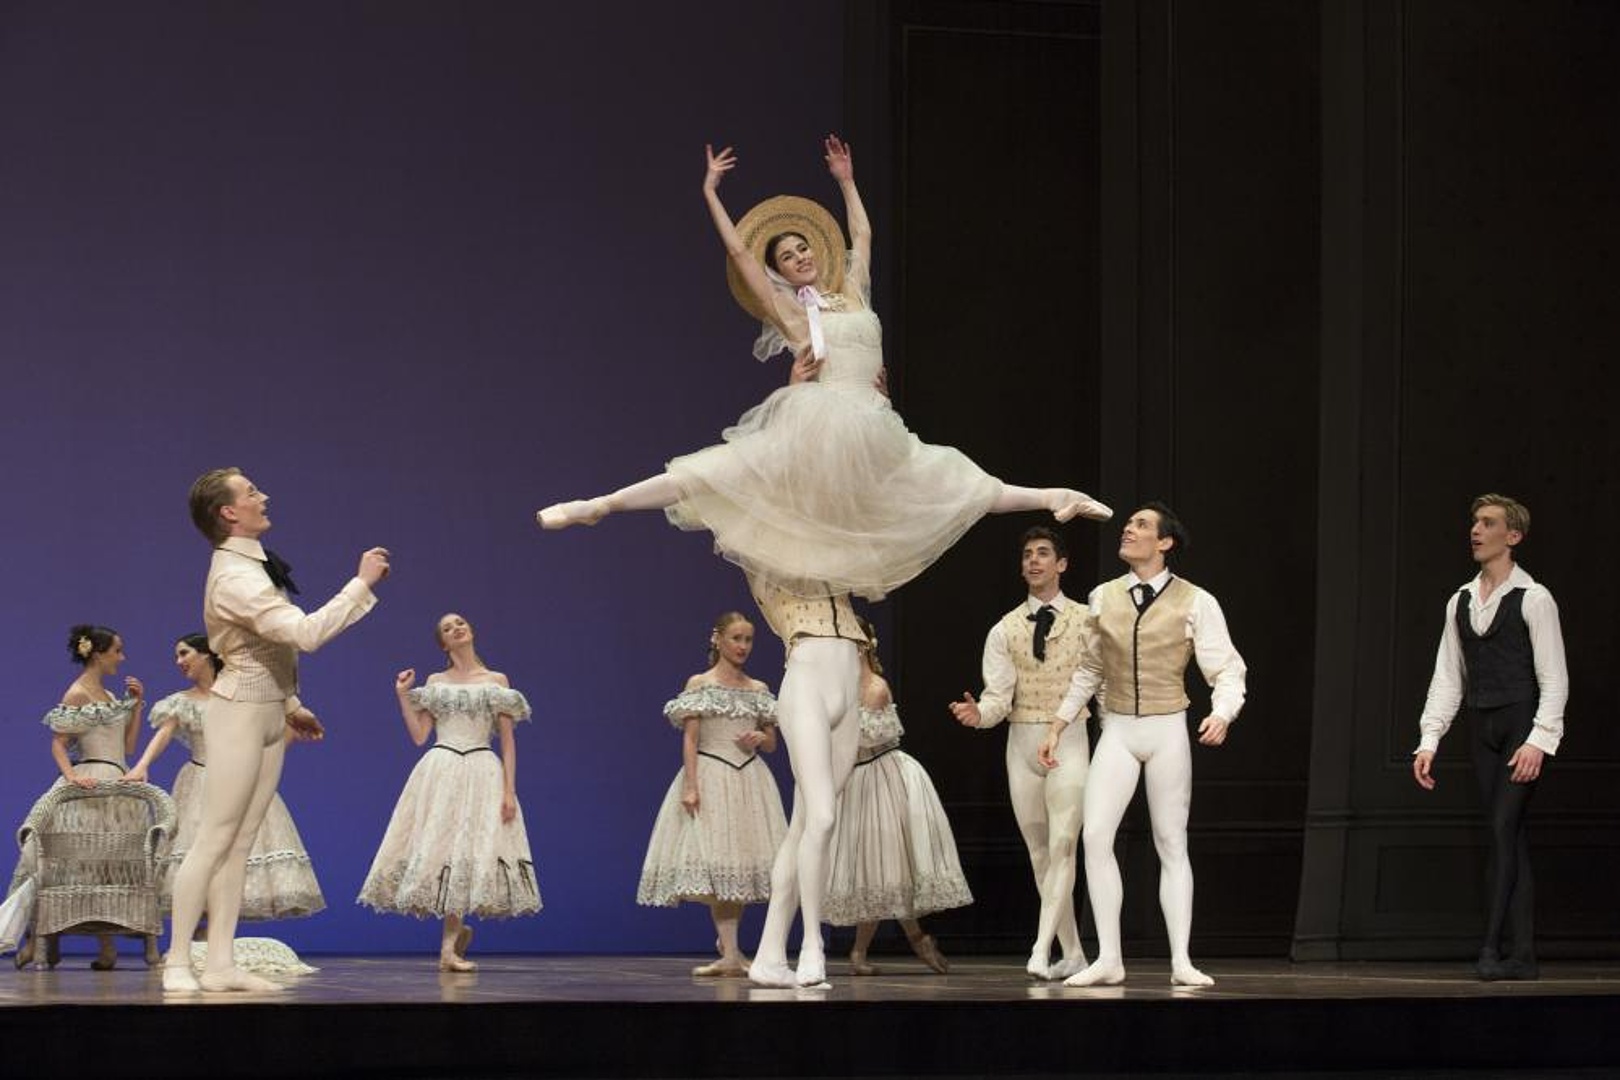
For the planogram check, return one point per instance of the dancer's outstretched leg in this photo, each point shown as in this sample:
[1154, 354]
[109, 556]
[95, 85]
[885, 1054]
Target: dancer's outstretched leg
[653, 493]
[1065, 503]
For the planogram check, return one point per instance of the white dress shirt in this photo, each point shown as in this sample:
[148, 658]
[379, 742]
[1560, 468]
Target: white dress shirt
[258, 632]
[1000, 674]
[1546, 644]
[1218, 659]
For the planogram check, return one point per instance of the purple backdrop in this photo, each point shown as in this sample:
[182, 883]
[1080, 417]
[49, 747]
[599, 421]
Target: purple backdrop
[419, 269]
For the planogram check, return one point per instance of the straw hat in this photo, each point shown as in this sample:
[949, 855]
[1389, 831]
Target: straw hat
[794, 214]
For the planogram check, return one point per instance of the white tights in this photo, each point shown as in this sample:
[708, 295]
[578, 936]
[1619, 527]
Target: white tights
[1131, 746]
[246, 744]
[1047, 804]
[817, 711]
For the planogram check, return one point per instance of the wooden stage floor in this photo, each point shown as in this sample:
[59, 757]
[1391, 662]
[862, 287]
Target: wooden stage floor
[618, 1016]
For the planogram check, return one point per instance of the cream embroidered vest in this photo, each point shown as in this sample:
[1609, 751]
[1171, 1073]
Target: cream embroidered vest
[793, 616]
[1042, 684]
[1145, 657]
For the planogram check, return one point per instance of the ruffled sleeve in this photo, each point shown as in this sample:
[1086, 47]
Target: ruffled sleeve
[710, 700]
[507, 702]
[880, 725]
[184, 710]
[77, 719]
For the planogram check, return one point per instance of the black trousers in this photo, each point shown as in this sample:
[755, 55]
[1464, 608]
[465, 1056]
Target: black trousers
[1497, 733]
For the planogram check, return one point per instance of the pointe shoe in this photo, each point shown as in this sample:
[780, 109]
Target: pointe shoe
[775, 975]
[1039, 967]
[927, 950]
[1098, 973]
[234, 981]
[178, 979]
[456, 964]
[463, 940]
[1069, 965]
[25, 952]
[580, 512]
[858, 964]
[152, 956]
[721, 969]
[1073, 504]
[104, 962]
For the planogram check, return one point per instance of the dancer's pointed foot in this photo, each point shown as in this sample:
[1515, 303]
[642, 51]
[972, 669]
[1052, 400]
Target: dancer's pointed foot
[1039, 966]
[723, 968]
[1098, 973]
[1184, 974]
[449, 961]
[463, 941]
[1069, 504]
[178, 979]
[776, 974]
[579, 512]
[153, 957]
[1069, 965]
[232, 981]
[25, 951]
[859, 965]
[927, 950]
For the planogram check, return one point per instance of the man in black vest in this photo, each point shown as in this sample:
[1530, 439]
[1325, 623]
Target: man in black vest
[1501, 661]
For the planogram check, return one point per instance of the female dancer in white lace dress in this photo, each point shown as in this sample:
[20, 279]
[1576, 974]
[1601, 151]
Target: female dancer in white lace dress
[819, 491]
[456, 845]
[92, 734]
[893, 855]
[280, 881]
[721, 820]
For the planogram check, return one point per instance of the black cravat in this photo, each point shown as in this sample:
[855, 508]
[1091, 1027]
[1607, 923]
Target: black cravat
[1043, 620]
[280, 573]
[1145, 596]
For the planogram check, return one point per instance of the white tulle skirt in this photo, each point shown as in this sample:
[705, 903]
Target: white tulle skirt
[893, 855]
[822, 487]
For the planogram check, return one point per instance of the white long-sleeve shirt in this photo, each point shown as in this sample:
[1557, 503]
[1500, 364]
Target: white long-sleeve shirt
[1546, 644]
[258, 632]
[1217, 658]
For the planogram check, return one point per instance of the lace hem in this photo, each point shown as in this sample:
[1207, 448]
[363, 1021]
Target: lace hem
[700, 883]
[936, 893]
[498, 893]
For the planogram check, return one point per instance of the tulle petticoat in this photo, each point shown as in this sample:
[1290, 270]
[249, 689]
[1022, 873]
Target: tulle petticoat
[280, 882]
[893, 855]
[822, 487]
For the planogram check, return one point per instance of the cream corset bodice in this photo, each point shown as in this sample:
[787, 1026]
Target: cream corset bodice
[854, 349]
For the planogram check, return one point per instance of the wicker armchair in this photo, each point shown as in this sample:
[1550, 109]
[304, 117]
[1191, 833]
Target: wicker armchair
[98, 853]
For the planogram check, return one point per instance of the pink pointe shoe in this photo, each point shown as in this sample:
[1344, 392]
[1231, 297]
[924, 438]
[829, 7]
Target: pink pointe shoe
[1073, 504]
[579, 512]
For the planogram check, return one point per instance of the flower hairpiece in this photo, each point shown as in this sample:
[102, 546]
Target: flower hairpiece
[84, 647]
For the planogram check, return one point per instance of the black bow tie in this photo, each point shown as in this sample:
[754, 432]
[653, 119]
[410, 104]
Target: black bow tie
[1043, 620]
[1145, 597]
[280, 572]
